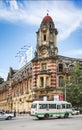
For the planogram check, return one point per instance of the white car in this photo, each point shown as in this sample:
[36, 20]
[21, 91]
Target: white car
[75, 112]
[6, 116]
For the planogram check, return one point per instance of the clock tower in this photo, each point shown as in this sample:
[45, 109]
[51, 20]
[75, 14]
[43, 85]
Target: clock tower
[46, 39]
[44, 62]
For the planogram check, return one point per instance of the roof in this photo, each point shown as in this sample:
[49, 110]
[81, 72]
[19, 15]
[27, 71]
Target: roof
[47, 18]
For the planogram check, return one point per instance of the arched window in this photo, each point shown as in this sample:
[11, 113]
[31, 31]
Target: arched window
[44, 37]
[71, 67]
[60, 67]
[42, 81]
[50, 25]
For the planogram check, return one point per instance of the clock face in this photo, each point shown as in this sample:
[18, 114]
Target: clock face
[43, 51]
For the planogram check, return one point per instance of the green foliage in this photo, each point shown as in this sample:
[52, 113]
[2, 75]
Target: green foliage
[74, 92]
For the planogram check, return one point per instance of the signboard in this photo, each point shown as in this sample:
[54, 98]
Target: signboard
[58, 97]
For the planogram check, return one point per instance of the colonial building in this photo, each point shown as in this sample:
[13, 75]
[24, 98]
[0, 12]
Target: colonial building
[42, 77]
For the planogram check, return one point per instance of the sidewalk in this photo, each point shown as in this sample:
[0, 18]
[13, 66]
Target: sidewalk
[22, 115]
[27, 115]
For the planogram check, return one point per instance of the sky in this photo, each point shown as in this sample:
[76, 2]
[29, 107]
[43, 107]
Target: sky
[21, 19]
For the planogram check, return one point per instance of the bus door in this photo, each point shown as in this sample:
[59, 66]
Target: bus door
[63, 109]
[58, 110]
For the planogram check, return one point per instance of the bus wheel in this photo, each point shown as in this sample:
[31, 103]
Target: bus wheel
[46, 116]
[66, 115]
[40, 118]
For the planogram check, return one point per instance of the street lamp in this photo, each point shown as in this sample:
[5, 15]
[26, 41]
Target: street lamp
[65, 91]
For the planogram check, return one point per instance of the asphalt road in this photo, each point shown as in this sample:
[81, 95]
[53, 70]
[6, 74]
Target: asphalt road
[29, 123]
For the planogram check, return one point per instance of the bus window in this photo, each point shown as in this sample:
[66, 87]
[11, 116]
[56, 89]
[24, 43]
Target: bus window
[43, 106]
[52, 106]
[68, 106]
[63, 106]
[34, 106]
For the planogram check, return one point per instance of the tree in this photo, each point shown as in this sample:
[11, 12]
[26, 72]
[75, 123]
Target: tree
[74, 92]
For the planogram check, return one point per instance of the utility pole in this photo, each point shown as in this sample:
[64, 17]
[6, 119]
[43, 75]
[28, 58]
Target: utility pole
[65, 93]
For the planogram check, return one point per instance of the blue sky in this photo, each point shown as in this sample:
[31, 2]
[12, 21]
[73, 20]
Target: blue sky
[20, 20]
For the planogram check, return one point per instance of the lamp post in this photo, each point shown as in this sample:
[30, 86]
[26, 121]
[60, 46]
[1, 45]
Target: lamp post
[65, 92]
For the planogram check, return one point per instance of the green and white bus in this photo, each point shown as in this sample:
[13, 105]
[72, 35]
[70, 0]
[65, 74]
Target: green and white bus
[46, 109]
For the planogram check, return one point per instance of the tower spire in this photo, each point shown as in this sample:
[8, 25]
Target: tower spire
[47, 12]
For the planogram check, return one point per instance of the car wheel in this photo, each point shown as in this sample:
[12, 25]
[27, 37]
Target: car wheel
[9, 118]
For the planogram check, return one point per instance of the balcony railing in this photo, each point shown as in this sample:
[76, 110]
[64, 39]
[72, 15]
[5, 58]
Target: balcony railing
[43, 88]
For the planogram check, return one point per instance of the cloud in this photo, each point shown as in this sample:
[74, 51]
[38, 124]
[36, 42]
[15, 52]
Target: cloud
[3, 74]
[73, 53]
[14, 5]
[76, 52]
[66, 16]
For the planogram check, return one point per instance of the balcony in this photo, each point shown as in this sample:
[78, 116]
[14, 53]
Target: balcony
[47, 88]
[64, 71]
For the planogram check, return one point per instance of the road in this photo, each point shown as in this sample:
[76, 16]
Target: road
[29, 123]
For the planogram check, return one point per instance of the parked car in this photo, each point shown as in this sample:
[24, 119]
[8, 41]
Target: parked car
[6, 116]
[75, 111]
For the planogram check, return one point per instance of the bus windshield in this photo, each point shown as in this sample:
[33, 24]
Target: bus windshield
[34, 106]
